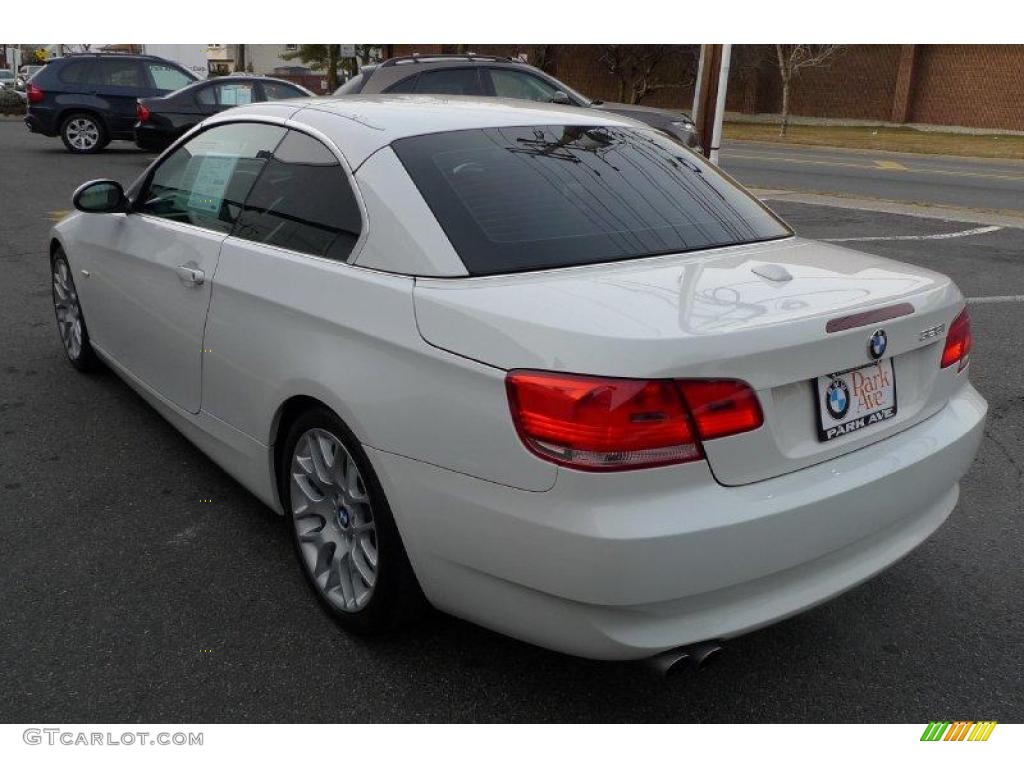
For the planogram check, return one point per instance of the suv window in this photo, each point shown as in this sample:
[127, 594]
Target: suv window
[118, 73]
[512, 84]
[460, 81]
[75, 72]
[166, 77]
[303, 201]
[539, 197]
[273, 91]
[206, 180]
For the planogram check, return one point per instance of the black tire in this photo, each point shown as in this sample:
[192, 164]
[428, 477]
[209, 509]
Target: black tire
[83, 133]
[80, 355]
[396, 598]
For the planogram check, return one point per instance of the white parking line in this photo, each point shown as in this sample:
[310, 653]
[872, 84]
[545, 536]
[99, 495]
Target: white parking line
[995, 300]
[941, 236]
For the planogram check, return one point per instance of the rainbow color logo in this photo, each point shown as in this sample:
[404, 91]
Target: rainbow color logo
[960, 730]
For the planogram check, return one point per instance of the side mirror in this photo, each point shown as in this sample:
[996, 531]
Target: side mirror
[101, 196]
[560, 97]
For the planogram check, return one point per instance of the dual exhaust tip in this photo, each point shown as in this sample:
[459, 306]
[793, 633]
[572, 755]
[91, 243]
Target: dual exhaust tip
[687, 657]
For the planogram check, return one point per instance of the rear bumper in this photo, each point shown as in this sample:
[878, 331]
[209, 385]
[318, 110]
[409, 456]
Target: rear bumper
[151, 137]
[624, 566]
[40, 121]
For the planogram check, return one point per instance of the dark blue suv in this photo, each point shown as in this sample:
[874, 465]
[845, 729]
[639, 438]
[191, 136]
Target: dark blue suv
[89, 99]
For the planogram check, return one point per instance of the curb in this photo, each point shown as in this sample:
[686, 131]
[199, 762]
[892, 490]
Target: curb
[1012, 219]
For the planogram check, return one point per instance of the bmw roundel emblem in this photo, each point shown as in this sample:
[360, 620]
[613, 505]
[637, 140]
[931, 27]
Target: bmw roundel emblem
[837, 398]
[877, 344]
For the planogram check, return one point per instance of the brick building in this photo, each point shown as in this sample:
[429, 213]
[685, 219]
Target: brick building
[976, 86]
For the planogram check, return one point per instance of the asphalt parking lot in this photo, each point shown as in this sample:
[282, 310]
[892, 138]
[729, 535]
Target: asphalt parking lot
[126, 598]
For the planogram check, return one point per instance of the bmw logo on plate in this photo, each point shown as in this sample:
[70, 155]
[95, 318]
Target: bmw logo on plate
[837, 398]
[877, 344]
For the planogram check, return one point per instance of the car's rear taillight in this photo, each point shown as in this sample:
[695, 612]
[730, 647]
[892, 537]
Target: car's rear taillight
[34, 93]
[958, 342]
[721, 407]
[142, 112]
[606, 424]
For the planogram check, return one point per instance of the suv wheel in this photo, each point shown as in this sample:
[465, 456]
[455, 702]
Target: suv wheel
[83, 133]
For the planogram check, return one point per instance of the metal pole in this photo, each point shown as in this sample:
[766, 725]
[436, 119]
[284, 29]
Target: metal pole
[723, 83]
[697, 84]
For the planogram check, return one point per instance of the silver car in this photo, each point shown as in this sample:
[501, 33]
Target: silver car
[475, 75]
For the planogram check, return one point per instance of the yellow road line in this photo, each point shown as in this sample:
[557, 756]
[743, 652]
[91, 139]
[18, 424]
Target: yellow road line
[891, 165]
[56, 216]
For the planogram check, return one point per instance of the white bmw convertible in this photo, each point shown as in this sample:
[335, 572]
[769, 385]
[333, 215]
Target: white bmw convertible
[545, 370]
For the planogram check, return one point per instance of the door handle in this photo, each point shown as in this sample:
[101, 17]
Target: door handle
[191, 275]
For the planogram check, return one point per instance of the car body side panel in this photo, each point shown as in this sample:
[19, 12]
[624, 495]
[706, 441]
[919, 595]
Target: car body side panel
[139, 309]
[283, 324]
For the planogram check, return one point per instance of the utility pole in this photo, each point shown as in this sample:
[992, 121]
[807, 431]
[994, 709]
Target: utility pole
[709, 96]
[723, 86]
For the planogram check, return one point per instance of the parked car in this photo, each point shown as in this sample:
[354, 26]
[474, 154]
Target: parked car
[90, 99]
[473, 75]
[541, 366]
[7, 78]
[25, 73]
[162, 119]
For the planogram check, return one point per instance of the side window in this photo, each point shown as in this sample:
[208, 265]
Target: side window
[511, 84]
[234, 94]
[77, 72]
[119, 73]
[404, 86]
[454, 82]
[206, 180]
[303, 201]
[275, 91]
[167, 78]
[226, 94]
[207, 96]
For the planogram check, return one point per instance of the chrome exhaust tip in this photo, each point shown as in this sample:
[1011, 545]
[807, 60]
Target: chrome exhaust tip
[691, 657]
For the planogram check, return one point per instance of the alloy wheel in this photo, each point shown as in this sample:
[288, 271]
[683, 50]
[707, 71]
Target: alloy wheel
[69, 311]
[333, 519]
[82, 133]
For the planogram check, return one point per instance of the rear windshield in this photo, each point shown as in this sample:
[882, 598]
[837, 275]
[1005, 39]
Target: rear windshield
[538, 197]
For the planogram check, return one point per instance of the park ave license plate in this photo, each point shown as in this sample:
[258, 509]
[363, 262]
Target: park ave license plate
[852, 400]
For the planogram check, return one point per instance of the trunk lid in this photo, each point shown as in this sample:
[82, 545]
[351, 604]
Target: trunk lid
[726, 313]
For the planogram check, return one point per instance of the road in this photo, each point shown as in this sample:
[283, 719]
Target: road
[966, 183]
[126, 599]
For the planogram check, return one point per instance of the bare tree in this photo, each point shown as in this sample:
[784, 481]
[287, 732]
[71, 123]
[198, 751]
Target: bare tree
[794, 58]
[367, 53]
[542, 57]
[325, 57]
[644, 69]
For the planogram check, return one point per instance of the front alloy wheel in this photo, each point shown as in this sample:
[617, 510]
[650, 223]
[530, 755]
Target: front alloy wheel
[70, 321]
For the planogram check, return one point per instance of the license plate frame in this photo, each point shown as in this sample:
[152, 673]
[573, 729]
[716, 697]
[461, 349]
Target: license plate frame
[855, 418]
